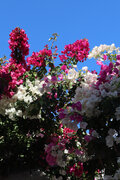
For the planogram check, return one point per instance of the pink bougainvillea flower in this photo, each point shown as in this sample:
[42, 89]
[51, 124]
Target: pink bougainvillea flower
[38, 59]
[60, 76]
[77, 106]
[51, 160]
[78, 50]
[18, 43]
[87, 138]
[104, 57]
[54, 79]
[63, 67]
[118, 57]
[76, 169]
[76, 117]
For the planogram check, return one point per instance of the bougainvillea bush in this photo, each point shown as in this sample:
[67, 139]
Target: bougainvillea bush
[58, 119]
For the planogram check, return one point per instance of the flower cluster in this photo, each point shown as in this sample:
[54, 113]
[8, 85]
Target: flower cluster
[11, 76]
[26, 94]
[12, 73]
[99, 95]
[59, 154]
[71, 116]
[18, 43]
[78, 50]
[38, 59]
[76, 170]
[102, 51]
[58, 119]
[87, 94]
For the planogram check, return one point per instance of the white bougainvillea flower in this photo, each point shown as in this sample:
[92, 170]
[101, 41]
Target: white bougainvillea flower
[72, 74]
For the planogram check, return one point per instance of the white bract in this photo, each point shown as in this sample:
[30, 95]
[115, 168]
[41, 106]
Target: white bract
[85, 68]
[26, 94]
[98, 51]
[88, 95]
[72, 74]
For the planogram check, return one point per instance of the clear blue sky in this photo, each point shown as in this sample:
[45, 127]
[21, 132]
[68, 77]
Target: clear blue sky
[96, 20]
